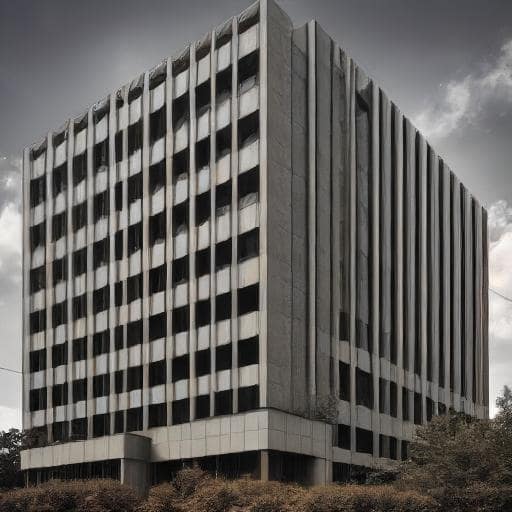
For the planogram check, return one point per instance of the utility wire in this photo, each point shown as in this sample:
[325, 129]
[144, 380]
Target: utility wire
[9, 370]
[501, 295]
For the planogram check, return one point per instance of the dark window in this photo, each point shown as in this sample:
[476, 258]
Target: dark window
[134, 288]
[60, 394]
[180, 368]
[393, 399]
[157, 415]
[134, 187]
[157, 279]
[405, 450]
[248, 299]
[248, 351]
[59, 179]
[100, 252]
[248, 184]
[119, 146]
[203, 97]
[179, 218]
[119, 381]
[180, 164]
[79, 390]
[202, 312]
[79, 168]
[134, 333]
[364, 388]
[223, 354]
[203, 262]
[383, 388]
[203, 361]
[101, 343]
[344, 437]
[134, 238]
[37, 360]
[157, 373]
[248, 68]
[38, 321]
[202, 208]
[101, 425]
[37, 235]
[223, 307]
[222, 254]
[80, 349]
[202, 406]
[248, 245]
[223, 85]
[180, 320]
[223, 402]
[156, 176]
[202, 154]
[118, 292]
[364, 441]
[59, 313]
[180, 111]
[101, 205]
[430, 408]
[248, 129]
[59, 354]
[344, 326]
[344, 370]
[119, 337]
[417, 409]
[38, 399]
[223, 141]
[79, 306]
[60, 431]
[37, 279]
[101, 159]
[134, 380]
[157, 228]
[78, 429]
[118, 422]
[393, 448]
[79, 216]
[37, 190]
[59, 226]
[248, 398]
[101, 385]
[118, 193]
[118, 242]
[157, 125]
[101, 299]
[180, 271]
[180, 411]
[134, 137]
[222, 196]
[60, 270]
[157, 326]
[405, 404]
[80, 261]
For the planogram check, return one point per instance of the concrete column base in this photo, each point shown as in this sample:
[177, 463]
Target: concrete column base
[135, 473]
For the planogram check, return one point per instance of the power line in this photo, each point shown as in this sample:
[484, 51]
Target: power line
[501, 295]
[9, 370]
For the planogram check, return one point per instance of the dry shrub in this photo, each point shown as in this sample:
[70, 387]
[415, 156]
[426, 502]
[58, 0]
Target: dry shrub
[213, 495]
[162, 498]
[188, 480]
[77, 496]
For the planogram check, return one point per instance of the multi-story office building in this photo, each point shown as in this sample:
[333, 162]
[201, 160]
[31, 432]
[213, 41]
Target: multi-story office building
[247, 257]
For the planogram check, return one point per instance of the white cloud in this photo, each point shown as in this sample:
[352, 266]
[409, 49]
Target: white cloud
[462, 101]
[500, 309]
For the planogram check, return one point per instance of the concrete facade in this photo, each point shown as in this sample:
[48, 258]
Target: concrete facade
[246, 250]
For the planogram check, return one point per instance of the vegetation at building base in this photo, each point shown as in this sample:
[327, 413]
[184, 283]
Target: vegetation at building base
[456, 464]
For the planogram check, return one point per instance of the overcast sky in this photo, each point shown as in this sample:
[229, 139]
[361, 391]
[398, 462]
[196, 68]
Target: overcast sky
[447, 64]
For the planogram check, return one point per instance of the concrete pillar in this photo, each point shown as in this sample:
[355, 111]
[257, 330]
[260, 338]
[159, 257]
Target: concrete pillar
[264, 466]
[135, 473]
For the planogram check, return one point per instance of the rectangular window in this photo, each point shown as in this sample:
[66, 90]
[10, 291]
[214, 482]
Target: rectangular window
[79, 168]
[248, 299]
[157, 125]
[134, 137]
[202, 406]
[248, 186]
[134, 333]
[344, 437]
[80, 349]
[223, 307]
[156, 176]
[59, 179]
[118, 192]
[79, 390]
[203, 362]
[157, 373]
[37, 399]
[59, 354]
[344, 370]
[101, 205]
[100, 253]
[179, 218]
[37, 235]
[37, 191]
[248, 129]
[203, 312]
[60, 431]
[223, 85]
[119, 381]
[180, 368]
[101, 385]
[180, 411]
[79, 429]
[59, 313]
[248, 398]
[203, 98]
[405, 404]
[118, 243]
[180, 271]
[364, 388]
[157, 326]
[59, 226]
[118, 422]
[134, 238]
[157, 229]
[101, 343]
[222, 254]
[223, 197]
[223, 402]
[60, 270]
[364, 441]
[223, 141]
[119, 337]
[248, 70]
[79, 214]
[37, 360]
[417, 409]
[134, 188]
[101, 299]
[157, 415]
[101, 157]
[60, 394]
[37, 321]
[180, 164]
[118, 294]
[202, 208]
[101, 425]
[180, 111]
[248, 245]
[248, 351]
[134, 288]
[79, 306]
[393, 399]
[157, 279]
[203, 262]
[223, 357]
[37, 279]
[80, 262]
[119, 145]
[134, 380]
[180, 320]
[202, 154]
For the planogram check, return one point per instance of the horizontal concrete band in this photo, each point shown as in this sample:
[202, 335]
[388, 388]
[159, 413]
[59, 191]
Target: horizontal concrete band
[265, 429]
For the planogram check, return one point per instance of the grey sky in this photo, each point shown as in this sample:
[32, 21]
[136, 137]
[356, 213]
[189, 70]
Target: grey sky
[445, 63]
